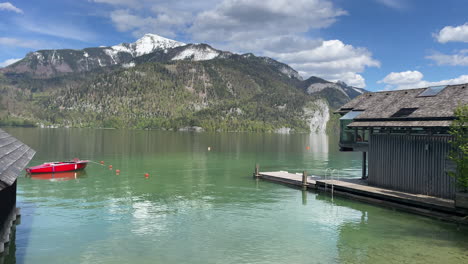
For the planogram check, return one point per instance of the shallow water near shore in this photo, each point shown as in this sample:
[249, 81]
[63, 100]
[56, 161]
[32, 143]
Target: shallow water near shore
[200, 206]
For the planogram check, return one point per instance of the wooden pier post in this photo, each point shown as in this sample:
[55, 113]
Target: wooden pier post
[256, 172]
[304, 180]
[364, 169]
[18, 216]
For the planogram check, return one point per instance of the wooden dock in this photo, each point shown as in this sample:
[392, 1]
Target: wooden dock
[358, 189]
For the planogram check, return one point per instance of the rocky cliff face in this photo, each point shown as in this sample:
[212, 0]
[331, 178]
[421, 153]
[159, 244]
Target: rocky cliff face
[317, 115]
[337, 93]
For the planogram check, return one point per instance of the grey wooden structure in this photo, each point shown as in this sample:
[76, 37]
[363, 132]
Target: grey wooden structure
[14, 156]
[405, 134]
[410, 163]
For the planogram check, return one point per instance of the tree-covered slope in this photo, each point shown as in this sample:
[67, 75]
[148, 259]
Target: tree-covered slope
[234, 94]
[164, 84]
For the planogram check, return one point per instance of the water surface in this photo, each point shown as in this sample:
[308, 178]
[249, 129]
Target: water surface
[200, 206]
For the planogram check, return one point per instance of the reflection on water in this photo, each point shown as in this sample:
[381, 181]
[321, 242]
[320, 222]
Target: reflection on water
[58, 176]
[200, 206]
[9, 253]
[401, 238]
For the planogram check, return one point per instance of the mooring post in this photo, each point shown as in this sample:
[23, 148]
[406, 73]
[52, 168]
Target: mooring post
[364, 165]
[256, 172]
[304, 180]
[18, 216]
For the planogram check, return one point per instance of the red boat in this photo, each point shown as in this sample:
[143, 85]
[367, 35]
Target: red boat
[60, 166]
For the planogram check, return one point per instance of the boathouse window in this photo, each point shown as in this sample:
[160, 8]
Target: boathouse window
[432, 91]
[348, 135]
[404, 112]
[362, 135]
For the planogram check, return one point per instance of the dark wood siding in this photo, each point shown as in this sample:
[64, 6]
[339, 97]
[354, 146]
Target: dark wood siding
[415, 164]
[7, 203]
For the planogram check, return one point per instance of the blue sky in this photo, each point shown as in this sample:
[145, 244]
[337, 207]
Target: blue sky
[376, 44]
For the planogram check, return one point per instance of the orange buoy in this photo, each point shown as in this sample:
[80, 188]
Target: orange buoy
[110, 167]
[117, 171]
[102, 162]
[307, 147]
[146, 175]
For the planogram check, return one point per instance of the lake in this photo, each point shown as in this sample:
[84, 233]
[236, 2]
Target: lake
[200, 206]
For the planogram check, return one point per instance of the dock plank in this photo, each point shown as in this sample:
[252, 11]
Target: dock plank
[360, 190]
[292, 178]
[361, 187]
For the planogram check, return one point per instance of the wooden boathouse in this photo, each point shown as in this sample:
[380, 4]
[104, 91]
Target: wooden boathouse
[405, 134]
[14, 156]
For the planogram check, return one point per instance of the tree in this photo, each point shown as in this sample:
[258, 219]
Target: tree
[459, 152]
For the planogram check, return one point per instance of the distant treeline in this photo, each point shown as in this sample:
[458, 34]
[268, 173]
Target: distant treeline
[16, 122]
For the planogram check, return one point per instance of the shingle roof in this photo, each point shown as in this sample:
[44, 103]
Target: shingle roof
[380, 106]
[14, 156]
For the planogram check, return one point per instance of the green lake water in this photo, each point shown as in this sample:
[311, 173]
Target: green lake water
[200, 206]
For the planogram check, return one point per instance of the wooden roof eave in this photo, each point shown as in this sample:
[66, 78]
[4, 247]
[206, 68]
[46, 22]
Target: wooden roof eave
[14, 156]
[403, 124]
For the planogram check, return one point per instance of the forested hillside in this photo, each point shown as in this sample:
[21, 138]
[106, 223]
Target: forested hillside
[175, 87]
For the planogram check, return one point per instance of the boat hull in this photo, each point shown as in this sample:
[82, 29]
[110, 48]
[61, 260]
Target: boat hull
[56, 176]
[58, 167]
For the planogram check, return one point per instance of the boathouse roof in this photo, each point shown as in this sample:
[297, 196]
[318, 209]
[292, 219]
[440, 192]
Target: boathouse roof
[14, 156]
[422, 107]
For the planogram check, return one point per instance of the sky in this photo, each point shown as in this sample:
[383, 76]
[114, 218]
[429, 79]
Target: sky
[373, 44]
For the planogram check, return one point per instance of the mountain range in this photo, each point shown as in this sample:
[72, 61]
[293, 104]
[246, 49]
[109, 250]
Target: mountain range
[160, 83]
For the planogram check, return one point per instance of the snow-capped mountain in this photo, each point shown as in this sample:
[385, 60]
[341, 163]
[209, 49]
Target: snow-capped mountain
[149, 48]
[197, 53]
[47, 63]
[147, 44]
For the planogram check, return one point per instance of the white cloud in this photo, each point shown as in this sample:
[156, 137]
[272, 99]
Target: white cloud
[225, 21]
[281, 29]
[396, 4]
[165, 22]
[458, 59]
[23, 43]
[150, 4]
[414, 79]
[130, 3]
[242, 20]
[61, 30]
[125, 21]
[8, 62]
[332, 60]
[403, 78]
[281, 43]
[10, 7]
[453, 34]
[275, 28]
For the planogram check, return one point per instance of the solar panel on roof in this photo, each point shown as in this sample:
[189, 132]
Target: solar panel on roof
[404, 112]
[432, 91]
